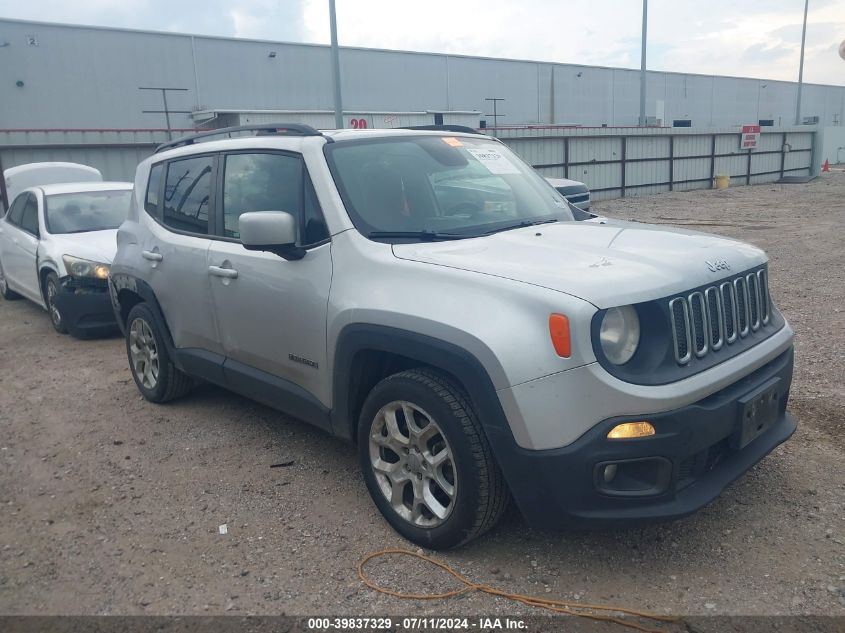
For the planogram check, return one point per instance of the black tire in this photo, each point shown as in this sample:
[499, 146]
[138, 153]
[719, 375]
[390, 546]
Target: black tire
[170, 383]
[51, 291]
[5, 291]
[480, 493]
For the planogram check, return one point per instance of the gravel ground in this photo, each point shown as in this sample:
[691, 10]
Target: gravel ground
[112, 504]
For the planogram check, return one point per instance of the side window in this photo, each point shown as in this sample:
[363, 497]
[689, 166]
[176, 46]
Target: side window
[260, 182]
[16, 210]
[270, 182]
[187, 194]
[153, 188]
[29, 220]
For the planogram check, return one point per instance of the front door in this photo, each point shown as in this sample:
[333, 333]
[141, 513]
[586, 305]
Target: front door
[271, 313]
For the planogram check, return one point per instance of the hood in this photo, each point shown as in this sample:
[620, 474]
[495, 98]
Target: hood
[608, 264]
[98, 246]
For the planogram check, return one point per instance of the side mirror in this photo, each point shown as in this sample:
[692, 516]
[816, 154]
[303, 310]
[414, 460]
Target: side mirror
[271, 231]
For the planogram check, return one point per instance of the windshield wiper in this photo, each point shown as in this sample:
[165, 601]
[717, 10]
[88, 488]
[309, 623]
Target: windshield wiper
[519, 225]
[426, 234]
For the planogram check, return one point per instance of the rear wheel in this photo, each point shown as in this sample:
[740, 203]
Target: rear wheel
[157, 378]
[51, 292]
[4, 287]
[426, 461]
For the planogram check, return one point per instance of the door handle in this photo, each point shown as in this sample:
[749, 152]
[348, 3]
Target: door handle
[227, 273]
[153, 257]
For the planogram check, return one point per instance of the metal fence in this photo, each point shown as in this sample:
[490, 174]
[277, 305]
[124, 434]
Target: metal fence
[613, 162]
[616, 162]
[116, 153]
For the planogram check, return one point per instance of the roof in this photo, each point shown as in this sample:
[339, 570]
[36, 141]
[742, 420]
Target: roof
[351, 135]
[81, 187]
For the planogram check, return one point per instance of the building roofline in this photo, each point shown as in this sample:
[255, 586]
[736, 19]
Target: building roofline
[389, 50]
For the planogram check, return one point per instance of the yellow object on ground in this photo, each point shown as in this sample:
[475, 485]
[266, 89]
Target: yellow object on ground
[722, 182]
[580, 609]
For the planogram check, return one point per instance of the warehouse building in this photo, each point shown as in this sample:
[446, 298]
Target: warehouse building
[70, 77]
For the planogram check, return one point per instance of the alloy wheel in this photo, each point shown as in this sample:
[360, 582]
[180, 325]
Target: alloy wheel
[413, 464]
[144, 353]
[52, 292]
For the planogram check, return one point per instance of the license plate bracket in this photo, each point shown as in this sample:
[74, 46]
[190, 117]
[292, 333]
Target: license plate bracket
[758, 411]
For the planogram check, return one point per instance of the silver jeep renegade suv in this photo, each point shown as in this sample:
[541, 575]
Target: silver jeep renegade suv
[428, 296]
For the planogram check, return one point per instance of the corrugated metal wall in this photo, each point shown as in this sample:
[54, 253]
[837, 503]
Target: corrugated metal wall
[115, 153]
[89, 77]
[616, 162]
[612, 161]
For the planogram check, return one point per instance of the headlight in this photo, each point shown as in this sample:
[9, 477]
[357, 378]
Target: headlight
[620, 334]
[77, 267]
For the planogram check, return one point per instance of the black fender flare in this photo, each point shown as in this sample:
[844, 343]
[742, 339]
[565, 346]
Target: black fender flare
[139, 287]
[427, 350]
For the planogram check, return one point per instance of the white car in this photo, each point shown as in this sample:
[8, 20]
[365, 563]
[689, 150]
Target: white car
[58, 240]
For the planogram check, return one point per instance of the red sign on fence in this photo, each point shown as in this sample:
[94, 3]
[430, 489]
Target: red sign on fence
[750, 136]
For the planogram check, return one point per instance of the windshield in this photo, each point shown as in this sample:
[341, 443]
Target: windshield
[86, 211]
[442, 187]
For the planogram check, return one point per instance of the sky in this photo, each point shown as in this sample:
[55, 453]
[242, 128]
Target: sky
[759, 38]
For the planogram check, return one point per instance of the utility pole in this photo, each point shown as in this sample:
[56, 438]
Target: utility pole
[338, 103]
[167, 111]
[642, 63]
[495, 114]
[801, 66]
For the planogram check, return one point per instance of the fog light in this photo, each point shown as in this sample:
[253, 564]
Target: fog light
[629, 430]
[609, 473]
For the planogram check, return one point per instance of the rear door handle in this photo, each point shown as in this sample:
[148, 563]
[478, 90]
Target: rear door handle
[228, 273]
[153, 257]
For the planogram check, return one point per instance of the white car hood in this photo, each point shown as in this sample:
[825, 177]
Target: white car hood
[606, 264]
[98, 246]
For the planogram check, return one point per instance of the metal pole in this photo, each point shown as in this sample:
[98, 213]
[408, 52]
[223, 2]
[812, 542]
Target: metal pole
[642, 64]
[801, 67]
[338, 104]
[166, 114]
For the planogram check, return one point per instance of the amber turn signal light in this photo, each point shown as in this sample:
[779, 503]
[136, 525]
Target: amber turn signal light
[629, 430]
[559, 330]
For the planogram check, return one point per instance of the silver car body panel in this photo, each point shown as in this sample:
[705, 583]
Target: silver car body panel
[490, 296]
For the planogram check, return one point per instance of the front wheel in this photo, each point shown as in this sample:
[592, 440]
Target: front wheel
[426, 461]
[51, 293]
[157, 378]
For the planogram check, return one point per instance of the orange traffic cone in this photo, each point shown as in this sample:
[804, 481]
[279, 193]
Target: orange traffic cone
[826, 166]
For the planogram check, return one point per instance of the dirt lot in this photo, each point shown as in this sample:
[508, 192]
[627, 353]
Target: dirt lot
[112, 505]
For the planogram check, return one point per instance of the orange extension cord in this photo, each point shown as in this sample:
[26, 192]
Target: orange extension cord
[557, 606]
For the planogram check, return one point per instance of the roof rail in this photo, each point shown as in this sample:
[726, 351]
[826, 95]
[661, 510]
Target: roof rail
[265, 129]
[444, 128]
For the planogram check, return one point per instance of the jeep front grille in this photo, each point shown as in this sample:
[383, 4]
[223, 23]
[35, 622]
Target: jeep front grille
[705, 320]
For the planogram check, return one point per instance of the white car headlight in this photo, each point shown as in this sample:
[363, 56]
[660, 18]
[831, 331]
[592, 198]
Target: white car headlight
[620, 334]
[77, 267]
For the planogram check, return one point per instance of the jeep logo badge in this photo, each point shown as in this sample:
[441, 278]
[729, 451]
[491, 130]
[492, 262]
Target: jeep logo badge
[717, 264]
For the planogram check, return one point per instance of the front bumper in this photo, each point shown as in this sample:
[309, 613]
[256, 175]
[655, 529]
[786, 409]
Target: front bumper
[695, 445]
[85, 308]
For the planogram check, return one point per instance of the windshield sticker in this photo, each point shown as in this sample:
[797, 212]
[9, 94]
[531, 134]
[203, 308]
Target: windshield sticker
[493, 160]
[451, 140]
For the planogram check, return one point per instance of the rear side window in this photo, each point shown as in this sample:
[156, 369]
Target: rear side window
[29, 220]
[271, 182]
[153, 188]
[187, 194]
[16, 210]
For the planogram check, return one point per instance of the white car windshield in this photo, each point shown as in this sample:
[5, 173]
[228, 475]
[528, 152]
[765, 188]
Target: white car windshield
[86, 211]
[430, 187]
